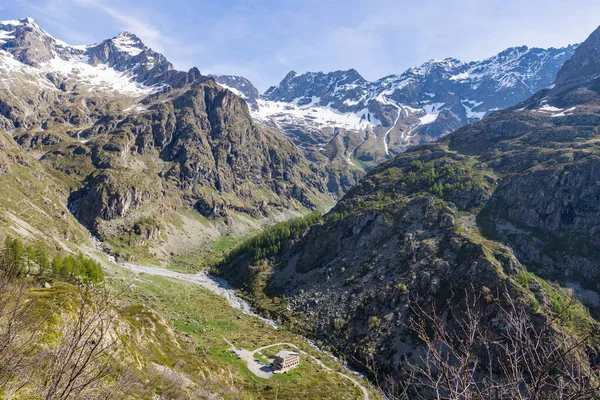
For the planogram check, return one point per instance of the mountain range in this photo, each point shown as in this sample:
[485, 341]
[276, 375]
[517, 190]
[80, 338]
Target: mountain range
[350, 124]
[137, 139]
[344, 210]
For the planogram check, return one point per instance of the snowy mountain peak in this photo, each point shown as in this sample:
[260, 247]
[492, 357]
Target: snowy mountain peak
[28, 43]
[446, 64]
[122, 65]
[420, 104]
[317, 87]
[17, 28]
[127, 35]
[128, 43]
[20, 22]
[290, 75]
[40, 70]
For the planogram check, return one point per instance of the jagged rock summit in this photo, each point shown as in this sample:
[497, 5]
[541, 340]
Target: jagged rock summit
[349, 125]
[422, 103]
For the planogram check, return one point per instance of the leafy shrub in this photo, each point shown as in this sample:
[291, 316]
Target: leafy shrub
[77, 269]
[402, 287]
[524, 278]
[338, 323]
[374, 322]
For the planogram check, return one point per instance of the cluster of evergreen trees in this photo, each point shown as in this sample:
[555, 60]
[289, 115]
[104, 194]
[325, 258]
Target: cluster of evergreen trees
[268, 243]
[18, 259]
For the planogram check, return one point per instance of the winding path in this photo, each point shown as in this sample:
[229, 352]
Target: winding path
[259, 369]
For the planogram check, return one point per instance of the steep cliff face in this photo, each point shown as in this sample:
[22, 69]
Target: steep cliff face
[196, 146]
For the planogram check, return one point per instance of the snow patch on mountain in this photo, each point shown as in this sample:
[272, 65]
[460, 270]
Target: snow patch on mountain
[555, 111]
[549, 108]
[128, 43]
[460, 77]
[428, 119]
[564, 113]
[98, 77]
[4, 36]
[469, 105]
[234, 90]
[313, 114]
[71, 62]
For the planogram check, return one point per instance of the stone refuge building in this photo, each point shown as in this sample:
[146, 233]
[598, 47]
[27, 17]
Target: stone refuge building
[285, 361]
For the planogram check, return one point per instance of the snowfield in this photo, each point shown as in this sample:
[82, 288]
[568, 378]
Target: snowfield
[69, 62]
[314, 114]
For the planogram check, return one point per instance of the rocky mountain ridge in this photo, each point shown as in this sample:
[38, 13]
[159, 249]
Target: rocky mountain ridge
[141, 141]
[349, 124]
[469, 90]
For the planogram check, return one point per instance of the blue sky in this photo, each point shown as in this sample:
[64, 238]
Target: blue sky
[264, 39]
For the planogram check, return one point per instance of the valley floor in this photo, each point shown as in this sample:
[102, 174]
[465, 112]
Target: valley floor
[206, 311]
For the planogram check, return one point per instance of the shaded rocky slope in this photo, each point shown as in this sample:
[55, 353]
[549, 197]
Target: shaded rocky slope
[34, 199]
[510, 197]
[197, 146]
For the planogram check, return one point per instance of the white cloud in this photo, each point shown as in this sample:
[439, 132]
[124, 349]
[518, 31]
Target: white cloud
[128, 20]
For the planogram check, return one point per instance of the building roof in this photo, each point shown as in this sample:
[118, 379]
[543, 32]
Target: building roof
[285, 354]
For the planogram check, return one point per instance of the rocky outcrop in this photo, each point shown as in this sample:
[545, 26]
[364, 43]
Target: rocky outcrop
[241, 86]
[215, 159]
[113, 194]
